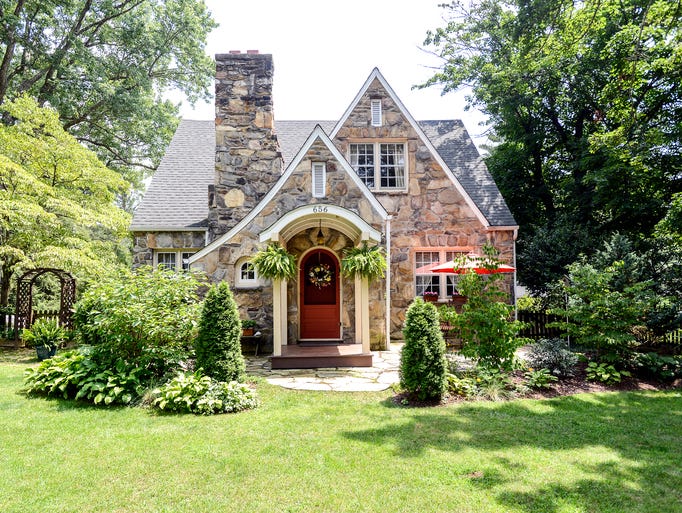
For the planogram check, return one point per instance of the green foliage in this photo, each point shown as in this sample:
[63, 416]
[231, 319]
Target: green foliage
[74, 375]
[554, 355]
[56, 200]
[135, 311]
[44, 332]
[202, 395]
[539, 378]
[422, 361]
[605, 373]
[275, 262]
[218, 344]
[104, 67]
[603, 306]
[464, 386]
[658, 366]
[488, 335]
[584, 103]
[364, 261]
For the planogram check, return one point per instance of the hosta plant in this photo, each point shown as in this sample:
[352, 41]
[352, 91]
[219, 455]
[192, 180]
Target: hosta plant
[605, 373]
[539, 378]
[202, 395]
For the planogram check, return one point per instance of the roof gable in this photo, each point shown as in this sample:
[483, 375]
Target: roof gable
[317, 134]
[376, 75]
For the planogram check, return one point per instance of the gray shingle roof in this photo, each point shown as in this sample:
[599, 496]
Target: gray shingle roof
[458, 151]
[177, 197]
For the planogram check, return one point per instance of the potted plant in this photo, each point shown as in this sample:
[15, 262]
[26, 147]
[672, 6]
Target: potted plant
[367, 262]
[46, 336]
[248, 327]
[275, 262]
[430, 296]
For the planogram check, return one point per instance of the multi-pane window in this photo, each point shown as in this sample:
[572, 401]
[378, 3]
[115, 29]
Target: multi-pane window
[246, 275]
[166, 259]
[380, 163]
[173, 260]
[443, 284]
[362, 160]
[392, 167]
[425, 280]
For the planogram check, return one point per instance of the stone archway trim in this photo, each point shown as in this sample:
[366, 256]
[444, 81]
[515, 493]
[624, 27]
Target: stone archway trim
[330, 216]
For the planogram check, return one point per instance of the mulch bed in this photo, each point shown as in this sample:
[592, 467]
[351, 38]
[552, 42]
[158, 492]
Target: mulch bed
[577, 384]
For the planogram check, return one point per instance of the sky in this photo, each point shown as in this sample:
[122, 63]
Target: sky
[324, 51]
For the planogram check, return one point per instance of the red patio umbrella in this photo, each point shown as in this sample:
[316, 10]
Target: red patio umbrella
[475, 262]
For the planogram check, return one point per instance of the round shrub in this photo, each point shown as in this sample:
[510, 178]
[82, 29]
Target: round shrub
[552, 354]
[218, 345]
[422, 362]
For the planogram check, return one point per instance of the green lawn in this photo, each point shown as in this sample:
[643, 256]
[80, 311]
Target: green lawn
[337, 452]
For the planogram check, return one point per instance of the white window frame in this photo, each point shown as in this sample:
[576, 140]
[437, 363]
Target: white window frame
[375, 112]
[251, 280]
[180, 258]
[319, 179]
[376, 178]
[442, 283]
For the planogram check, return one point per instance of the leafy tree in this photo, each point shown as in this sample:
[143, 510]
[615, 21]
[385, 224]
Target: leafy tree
[103, 65]
[218, 345]
[422, 360]
[131, 312]
[488, 335]
[56, 200]
[585, 105]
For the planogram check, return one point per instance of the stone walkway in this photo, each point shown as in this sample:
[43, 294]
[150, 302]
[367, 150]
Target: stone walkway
[380, 376]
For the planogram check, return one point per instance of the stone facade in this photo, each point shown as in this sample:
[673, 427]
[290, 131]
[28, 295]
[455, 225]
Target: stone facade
[145, 243]
[248, 159]
[431, 213]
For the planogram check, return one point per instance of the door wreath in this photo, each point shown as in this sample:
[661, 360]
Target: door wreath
[320, 275]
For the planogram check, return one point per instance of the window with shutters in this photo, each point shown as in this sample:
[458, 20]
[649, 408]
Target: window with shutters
[319, 172]
[376, 112]
[381, 166]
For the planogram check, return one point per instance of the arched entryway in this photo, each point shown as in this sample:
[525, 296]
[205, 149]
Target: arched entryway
[319, 296]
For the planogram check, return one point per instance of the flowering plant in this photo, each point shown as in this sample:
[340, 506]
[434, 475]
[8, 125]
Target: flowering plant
[430, 294]
[320, 275]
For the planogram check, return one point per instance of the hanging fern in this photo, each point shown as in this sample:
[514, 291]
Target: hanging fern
[275, 262]
[364, 261]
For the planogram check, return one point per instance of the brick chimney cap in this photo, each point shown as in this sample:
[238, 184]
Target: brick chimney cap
[252, 52]
[235, 52]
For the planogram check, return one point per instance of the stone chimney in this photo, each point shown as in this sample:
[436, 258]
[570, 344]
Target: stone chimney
[248, 158]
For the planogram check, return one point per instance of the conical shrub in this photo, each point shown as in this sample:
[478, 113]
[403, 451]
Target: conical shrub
[422, 361]
[218, 344]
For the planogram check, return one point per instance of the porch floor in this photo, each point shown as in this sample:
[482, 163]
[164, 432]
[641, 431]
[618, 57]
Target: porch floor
[311, 357]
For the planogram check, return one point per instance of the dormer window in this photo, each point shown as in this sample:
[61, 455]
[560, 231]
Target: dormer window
[319, 172]
[376, 112]
[380, 165]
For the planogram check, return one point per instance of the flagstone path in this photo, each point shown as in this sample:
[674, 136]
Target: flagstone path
[382, 374]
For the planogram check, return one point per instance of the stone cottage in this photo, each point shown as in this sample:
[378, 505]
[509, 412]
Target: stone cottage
[225, 189]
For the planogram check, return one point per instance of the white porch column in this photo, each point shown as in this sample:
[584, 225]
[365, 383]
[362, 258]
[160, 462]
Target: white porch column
[279, 316]
[362, 312]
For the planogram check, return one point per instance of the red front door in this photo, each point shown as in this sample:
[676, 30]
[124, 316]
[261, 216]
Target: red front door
[319, 301]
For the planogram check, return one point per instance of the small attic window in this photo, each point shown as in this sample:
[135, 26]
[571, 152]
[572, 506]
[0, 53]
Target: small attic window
[376, 112]
[319, 172]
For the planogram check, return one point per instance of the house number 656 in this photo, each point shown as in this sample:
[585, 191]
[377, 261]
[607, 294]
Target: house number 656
[320, 209]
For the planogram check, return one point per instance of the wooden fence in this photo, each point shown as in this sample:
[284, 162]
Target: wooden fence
[537, 325]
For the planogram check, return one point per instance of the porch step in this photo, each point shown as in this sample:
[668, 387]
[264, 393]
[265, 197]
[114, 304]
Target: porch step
[297, 357]
[319, 343]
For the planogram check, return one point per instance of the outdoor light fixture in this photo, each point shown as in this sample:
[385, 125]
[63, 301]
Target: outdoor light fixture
[320, 235]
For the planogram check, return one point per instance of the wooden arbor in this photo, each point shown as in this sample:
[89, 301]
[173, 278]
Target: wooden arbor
[23, 317]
